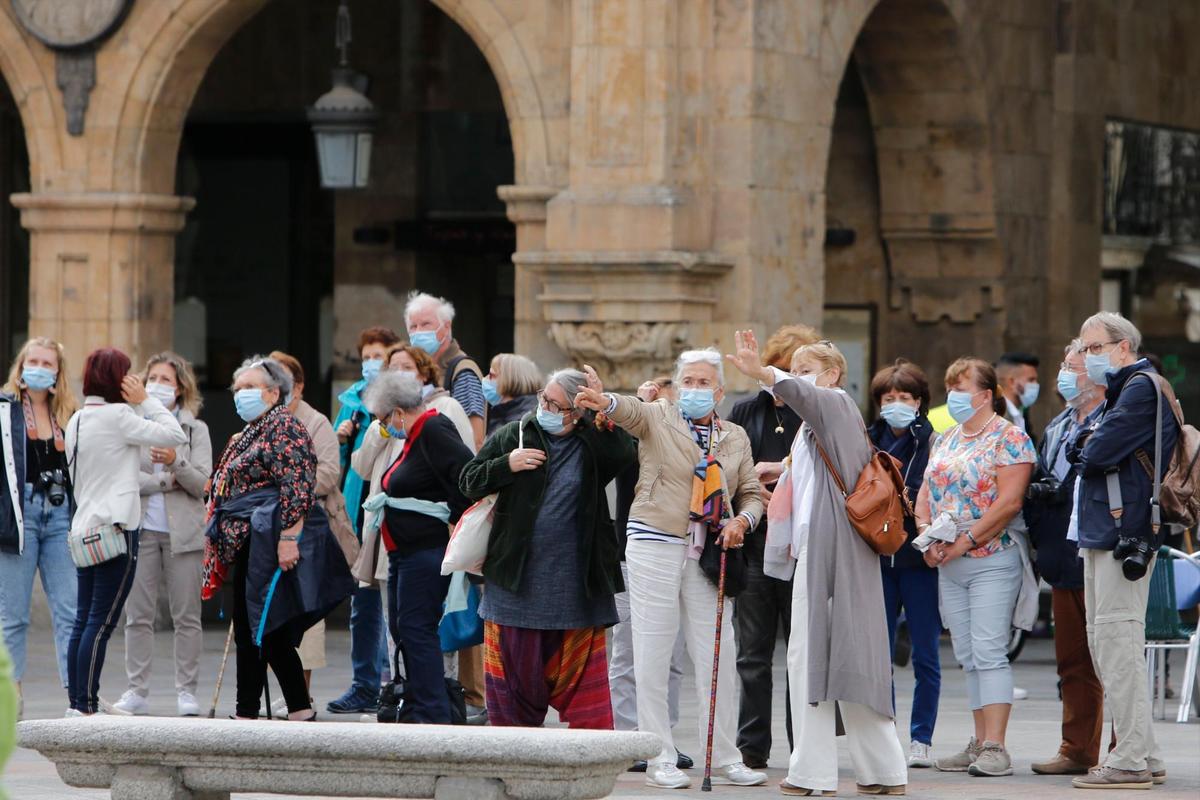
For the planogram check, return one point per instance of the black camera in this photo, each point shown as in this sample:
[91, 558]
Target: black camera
[1046, 490]
[54, 484]
[392, 701]
[1134, 554]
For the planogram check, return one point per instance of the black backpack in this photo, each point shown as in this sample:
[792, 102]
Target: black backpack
[394, 702]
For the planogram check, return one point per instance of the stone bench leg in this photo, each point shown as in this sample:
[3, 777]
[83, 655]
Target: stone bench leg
[450, 788]
[133, 782]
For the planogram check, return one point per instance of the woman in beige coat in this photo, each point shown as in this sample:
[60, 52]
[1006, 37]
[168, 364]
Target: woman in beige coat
[172, 485]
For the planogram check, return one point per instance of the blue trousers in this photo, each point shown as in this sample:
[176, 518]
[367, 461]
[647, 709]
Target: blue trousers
[418, 588]
[368, 645]
[915, 589]
[102, 592]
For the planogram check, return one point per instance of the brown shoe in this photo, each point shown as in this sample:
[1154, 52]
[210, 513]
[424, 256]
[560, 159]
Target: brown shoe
[1109, 778]
[1060, 765]
[800, 791]
[879, 788]
[1159, 776]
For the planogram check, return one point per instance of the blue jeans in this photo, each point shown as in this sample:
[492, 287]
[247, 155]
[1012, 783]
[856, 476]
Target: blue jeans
[417, 590]
[368, 645]
[102, 592]
[915, 589]
[46, 528]
[978, 597]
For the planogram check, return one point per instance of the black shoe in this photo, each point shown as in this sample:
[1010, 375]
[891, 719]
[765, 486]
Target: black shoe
[638, 766]
[354, 701]
[683, 761]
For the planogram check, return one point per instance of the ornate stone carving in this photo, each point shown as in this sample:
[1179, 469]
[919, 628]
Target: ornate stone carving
[76, 75]
[624, 353]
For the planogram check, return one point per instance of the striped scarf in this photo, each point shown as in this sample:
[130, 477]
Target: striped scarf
[706, 512]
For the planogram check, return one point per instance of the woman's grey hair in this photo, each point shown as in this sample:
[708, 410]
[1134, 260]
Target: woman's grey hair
[418, 300]
[1074, 348]
[1116, 328]
[571, 381]
[709, 355]
[392, 390]
[277, 377]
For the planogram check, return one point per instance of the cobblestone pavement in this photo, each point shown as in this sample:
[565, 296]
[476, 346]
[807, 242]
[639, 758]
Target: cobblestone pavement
[1033, 733]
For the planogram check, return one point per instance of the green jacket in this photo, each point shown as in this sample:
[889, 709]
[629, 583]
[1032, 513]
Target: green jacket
[520, 497]
[8, 712]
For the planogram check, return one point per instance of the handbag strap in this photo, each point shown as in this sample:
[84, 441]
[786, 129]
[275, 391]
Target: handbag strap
[829, 464]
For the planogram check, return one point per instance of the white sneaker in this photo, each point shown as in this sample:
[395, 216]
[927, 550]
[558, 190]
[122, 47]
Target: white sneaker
[918, 755]
[1019, 693]
[73, 712]
[740, 775]
[279, 707]
[131, 704]
[187, 705]
[668, 776]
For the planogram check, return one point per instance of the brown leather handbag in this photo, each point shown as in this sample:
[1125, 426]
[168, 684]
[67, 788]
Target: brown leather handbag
[879, 502]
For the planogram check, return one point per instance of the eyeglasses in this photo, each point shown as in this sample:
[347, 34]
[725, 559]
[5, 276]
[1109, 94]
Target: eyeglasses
[1097, 348]
[1068, 368]
[550, 405]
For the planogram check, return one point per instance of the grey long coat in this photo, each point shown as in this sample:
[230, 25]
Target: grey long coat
[848, 654]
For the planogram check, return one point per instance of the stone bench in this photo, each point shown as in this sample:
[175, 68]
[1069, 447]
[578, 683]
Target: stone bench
[162, 758]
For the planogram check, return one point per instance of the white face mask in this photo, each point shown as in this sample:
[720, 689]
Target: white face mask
[162, 393]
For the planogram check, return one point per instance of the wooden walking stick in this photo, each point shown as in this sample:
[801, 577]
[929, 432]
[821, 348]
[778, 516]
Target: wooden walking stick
[706, 786]
[212, 712]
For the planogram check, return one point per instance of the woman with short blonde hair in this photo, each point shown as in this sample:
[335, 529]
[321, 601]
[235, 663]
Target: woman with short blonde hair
[510, 388]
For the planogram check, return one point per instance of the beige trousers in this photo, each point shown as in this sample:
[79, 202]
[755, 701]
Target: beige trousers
[184, 573]
[312, 647]
[1116, 632]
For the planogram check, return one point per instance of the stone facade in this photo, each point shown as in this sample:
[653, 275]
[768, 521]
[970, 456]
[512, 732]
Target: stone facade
[676, 164]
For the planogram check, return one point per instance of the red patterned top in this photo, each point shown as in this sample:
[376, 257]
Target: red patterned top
[272, 451]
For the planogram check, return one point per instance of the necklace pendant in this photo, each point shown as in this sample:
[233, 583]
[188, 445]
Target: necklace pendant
[779, 429]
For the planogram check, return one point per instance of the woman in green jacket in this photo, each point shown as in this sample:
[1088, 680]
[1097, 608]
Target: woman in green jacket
[552, 566]
[8, 711]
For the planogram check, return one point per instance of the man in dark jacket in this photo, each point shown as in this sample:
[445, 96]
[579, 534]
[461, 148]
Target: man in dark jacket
[1113, 459]
[1048, 510]
[765, 603]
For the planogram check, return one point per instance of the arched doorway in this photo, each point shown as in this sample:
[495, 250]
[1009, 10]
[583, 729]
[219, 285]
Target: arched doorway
[913, 263]
[14, 239]
[270, 260]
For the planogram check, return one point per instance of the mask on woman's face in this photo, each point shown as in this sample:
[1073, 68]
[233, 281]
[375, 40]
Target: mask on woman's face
[38, 378]
[959, 405]
[250, 404]
[898, 415]
[426, 340]
[549, 421]
[162, 393]
[696, 403]
[490, 392]
[370, 368]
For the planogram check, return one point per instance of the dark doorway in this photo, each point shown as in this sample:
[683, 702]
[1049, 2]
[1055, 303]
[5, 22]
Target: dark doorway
[14, 240]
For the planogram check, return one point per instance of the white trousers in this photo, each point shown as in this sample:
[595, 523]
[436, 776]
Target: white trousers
[621, 683]
[668, 591]
[875, 750]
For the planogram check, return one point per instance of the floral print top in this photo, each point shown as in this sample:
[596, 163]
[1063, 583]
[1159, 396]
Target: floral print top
[961, 475]
[272, 451]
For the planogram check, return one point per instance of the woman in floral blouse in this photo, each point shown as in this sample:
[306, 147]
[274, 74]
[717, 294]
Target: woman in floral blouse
[273, 454]
[977, 475]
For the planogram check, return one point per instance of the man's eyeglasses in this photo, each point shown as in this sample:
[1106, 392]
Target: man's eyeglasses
[550, 405]
[1097, 348]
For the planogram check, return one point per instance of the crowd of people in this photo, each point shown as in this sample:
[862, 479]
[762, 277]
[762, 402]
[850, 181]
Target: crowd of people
[588, 608]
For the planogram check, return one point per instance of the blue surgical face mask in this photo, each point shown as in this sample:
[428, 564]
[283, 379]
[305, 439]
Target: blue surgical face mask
[1029, 395]
[1068, 385]
[249, 404]
[1098, 368]
[426, 340]
[370, 368]
[551, 423]
[38, 378]
[696, 403]
[394, 432]
[898, 415]
[162, 393]
[490, 392]
[959, 405]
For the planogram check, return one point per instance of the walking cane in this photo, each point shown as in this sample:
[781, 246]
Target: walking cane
[212, 712]
[706, 786]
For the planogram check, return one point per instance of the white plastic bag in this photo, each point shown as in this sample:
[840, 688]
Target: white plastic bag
[469, 541]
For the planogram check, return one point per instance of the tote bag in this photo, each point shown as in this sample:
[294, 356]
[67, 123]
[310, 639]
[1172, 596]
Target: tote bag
[469, 540]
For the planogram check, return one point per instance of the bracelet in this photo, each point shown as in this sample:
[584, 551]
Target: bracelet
[293, 538]
[971, 536]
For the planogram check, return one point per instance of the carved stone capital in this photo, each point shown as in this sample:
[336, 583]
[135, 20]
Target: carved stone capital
[624, 353]
[103, 212]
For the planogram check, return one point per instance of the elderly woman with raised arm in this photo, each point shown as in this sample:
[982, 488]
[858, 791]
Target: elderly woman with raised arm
[838, 653]
[685, 451]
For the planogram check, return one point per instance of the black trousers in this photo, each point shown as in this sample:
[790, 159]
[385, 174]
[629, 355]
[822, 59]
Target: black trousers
[758, 611]
[277, 650]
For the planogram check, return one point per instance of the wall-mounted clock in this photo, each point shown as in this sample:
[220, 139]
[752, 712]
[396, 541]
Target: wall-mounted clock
[65, 24]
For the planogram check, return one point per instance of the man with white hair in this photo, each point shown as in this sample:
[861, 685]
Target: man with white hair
[1118, 531]
[429, 320]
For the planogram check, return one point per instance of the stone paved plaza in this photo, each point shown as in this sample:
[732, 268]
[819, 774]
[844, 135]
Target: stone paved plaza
[1033, 734]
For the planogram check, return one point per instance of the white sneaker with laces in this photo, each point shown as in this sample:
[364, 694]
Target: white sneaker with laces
[187, 705]
[740, 775]
[666, 776]
[131, 704]
[1020, 694]
[73, 712]
[918, 755]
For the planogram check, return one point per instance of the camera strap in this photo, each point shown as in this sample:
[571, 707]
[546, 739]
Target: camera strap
[1155, 510]
[78, 420]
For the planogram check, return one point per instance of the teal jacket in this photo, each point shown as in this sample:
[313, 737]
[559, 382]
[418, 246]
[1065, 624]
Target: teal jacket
[607, 452]
[353, 483]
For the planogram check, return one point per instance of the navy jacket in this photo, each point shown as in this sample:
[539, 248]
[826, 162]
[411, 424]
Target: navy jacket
[912, 450]
[1049, 517]
[1127, 426]
[12, 452]
[302, 596]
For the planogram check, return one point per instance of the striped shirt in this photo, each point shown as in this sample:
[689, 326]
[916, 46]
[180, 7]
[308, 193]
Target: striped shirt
[467, 389]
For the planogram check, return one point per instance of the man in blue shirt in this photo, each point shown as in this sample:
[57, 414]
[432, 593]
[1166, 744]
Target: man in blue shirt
[368, 645]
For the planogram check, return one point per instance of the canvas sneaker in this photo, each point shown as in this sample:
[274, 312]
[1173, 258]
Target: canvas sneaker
[918, 755]
[666, 776]
[961, 760]
[187, 705]
[1110, 778]
[740, 775]
[992, 762]
[131, 704]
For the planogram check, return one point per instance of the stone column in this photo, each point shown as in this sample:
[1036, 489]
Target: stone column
[101, 269]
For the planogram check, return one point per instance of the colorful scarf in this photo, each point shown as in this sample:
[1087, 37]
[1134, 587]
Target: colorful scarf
[31, 429]
[706, 512]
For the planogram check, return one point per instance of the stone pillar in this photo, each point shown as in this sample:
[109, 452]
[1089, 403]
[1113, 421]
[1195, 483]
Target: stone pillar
[526, 208]
[101, 269]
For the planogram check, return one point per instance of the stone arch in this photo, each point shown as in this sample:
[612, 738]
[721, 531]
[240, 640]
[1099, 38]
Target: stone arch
[181, 44]
[30, 80]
